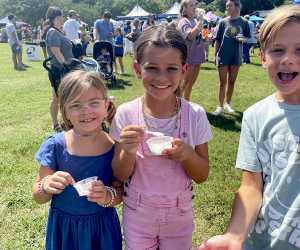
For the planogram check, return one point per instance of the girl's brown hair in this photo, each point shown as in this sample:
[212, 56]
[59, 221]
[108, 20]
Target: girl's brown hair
[148, 21]
[119, 30]
[76, 83]
[164, 36]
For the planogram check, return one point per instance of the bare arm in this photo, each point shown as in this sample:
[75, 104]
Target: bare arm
[246, 205]
[245, 208]
[53, 185]
[217, 45]
[195, 31]
[95, 34]
[58, 55]
[125, 150]
[15, 38]
[122, 163]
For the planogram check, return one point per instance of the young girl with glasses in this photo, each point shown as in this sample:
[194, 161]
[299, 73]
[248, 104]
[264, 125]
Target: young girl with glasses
[158, 191]
[82, 150]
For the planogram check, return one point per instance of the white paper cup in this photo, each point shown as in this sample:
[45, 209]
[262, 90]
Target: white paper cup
[83, 186]
[158, 144]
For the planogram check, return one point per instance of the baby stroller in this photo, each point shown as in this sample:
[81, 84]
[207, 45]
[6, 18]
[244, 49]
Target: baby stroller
[87, 64]
[105, 61]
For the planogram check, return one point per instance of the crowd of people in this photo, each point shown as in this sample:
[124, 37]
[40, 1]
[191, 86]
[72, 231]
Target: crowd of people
[158, 191]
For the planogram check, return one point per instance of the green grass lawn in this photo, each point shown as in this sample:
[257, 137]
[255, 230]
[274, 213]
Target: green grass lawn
[25, 123]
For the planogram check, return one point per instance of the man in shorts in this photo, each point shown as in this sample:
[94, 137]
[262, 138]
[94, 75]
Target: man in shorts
[14, 42]
[71, 27]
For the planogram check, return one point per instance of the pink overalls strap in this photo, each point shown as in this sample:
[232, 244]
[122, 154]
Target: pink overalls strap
[184, 120]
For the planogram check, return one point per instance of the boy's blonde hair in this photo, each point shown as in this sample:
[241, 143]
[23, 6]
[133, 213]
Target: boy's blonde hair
[275, 21]
[73, 85]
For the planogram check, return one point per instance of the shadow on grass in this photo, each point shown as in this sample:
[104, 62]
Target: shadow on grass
[120, 84]
[226, 122]
[256, 64]
[207, 68]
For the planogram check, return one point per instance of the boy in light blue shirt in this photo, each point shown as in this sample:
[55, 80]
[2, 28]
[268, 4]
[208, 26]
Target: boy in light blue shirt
[266, 208]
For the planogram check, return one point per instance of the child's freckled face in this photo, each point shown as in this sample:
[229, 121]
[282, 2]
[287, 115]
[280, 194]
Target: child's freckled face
[282, 61]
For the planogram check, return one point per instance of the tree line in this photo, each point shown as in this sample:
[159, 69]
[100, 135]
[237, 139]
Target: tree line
[30, 11]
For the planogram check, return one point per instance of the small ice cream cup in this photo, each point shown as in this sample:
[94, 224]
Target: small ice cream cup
[240, 36]
[83, 186]
[158, 144]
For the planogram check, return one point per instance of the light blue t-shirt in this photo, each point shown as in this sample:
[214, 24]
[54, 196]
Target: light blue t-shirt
[251, 25]
[10, 28]
[269, 144]
[103, 30]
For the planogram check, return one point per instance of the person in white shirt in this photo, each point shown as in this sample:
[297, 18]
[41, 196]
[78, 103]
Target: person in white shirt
[14, 42]
[71, 27]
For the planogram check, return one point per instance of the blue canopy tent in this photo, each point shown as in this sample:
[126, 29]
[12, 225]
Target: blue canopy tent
[296, 2]
[256, 19]
[216, 19]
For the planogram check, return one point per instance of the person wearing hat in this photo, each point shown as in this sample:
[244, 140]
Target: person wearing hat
[71, 27]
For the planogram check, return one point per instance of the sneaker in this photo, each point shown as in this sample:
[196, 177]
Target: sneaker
[116, 71]
[218, 111]
[229, 108]
[122, 73]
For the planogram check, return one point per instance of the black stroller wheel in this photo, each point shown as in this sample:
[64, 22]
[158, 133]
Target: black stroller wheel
[112, 82]
[115, 79]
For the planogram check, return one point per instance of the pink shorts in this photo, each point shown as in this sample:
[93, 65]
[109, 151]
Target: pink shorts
[147, 227]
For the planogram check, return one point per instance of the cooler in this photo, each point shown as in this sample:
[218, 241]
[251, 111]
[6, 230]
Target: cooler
[32, 52]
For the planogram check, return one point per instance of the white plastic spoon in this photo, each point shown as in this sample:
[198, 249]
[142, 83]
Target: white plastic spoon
[154, 133]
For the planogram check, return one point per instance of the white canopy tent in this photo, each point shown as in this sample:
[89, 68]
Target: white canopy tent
[137, 12]
[173, 12]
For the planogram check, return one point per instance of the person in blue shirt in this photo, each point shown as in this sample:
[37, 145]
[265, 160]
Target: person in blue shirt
[119, 51]
[104, 29]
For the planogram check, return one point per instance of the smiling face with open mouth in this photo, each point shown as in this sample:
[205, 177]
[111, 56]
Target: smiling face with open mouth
[282, 61]
[88, 122]
[161, 71]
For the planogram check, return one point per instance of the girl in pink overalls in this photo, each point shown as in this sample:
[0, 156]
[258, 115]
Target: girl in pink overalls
[158, 190]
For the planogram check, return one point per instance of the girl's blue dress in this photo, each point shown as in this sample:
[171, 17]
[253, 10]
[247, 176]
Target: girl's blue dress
[73, 221]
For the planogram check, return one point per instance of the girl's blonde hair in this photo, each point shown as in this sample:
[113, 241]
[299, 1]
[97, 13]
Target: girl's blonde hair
[182, 13]
[275, 21]
[237, 4]
[135, 22]
[73, 85]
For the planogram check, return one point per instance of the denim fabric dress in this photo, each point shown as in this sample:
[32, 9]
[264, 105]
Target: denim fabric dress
[73, 221]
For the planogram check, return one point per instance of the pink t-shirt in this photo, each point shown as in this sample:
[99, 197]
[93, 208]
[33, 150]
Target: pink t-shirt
[199, 128]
